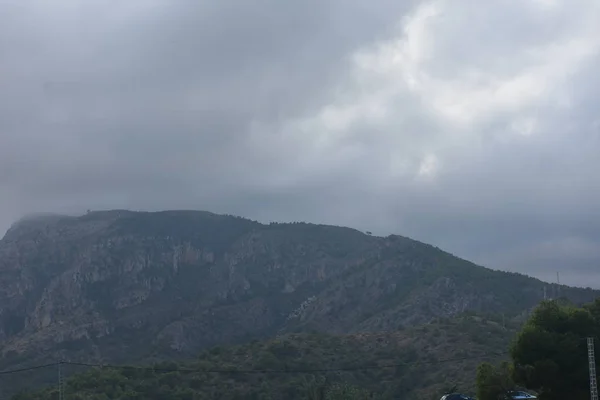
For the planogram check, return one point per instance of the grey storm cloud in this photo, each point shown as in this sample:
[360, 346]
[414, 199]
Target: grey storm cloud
[470, 125]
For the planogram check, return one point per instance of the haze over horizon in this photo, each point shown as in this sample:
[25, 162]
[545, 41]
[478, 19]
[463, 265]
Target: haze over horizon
[469, 125]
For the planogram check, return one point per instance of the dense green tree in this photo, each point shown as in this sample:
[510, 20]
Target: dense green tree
[346, 392]
[549, 354]
[315, 388]
[320, 389]
[494, 383]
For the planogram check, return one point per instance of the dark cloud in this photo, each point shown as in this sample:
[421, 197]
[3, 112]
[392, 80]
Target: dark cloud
[469, 125]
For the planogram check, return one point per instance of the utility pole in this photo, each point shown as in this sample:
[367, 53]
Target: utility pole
[592, 368]
[61, 393]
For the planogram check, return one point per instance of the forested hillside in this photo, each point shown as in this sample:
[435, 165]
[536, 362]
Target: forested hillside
[418, 363]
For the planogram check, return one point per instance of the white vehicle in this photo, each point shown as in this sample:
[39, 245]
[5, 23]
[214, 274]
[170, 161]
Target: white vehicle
[519, 395]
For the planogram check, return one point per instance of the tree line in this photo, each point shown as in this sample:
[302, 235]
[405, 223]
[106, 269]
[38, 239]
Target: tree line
[548, 356]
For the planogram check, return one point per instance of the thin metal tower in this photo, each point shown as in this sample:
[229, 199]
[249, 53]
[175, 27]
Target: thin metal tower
[592, 368]
[61, 393]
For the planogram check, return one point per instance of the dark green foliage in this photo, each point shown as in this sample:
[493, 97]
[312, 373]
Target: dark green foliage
[550, 352]
[494, 383]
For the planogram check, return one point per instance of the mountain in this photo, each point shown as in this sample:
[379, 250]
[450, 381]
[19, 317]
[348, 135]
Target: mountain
[120, 286]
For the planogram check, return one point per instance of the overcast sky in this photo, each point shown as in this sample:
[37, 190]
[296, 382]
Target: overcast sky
[472, 125]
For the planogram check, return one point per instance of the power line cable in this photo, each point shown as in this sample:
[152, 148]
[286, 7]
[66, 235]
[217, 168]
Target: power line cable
[15, 371]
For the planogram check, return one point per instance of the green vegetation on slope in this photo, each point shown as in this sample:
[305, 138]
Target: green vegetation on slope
[549, 354]
[495, 382]
[417, 364]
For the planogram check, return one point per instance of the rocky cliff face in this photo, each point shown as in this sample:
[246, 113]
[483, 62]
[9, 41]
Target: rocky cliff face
[122, 285]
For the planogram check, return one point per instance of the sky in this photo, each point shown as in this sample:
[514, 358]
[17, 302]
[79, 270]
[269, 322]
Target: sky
[471, 125]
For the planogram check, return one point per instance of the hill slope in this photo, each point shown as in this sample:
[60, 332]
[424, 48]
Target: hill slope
[418, 363]
[119, 285]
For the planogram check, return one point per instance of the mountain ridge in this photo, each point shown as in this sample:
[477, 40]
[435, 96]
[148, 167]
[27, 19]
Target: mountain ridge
[40, 217]
[122, 284]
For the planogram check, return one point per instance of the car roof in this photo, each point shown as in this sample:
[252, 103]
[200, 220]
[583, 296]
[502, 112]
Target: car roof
[455, 396]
